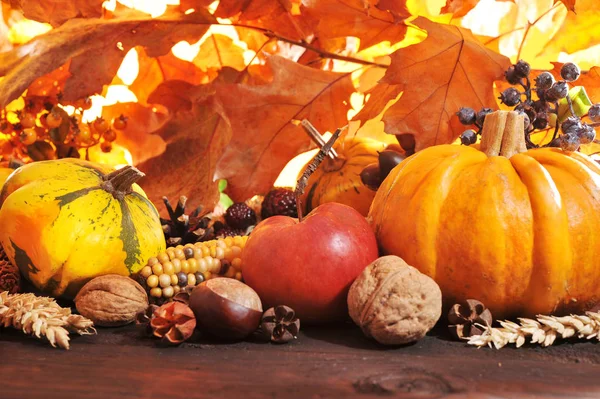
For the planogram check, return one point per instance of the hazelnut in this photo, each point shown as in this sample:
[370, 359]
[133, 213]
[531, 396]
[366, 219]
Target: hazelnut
[226, 308]
[111, 300]
[393, 302]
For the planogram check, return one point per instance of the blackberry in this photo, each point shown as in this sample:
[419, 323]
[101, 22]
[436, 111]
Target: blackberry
[240, 216]
[279, 201]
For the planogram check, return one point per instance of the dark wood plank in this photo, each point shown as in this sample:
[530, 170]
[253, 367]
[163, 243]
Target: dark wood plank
[322, 363]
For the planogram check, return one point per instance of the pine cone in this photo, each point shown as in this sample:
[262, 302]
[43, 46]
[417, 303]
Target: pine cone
[181, 228]
[10, 277]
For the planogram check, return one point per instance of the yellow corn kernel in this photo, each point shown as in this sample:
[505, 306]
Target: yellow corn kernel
[176, 289]
[213, 251]
[152, 281]
[205, 251]
[169, 267]
[236, 251]
[163, 257]
[238, 276]
[221, 243]
[164, 280]
[230, 272]
[171, 253]
[228, 241]
[216, 265]
[158, 269]
[146, 271]
[191, 279]
[176, 265]
[238, 241]
[193, 263]
[152, 261]
[168, 292]
[207, 275]
[237, 263]
[174, 279]
[219, 253]
[202, 265]
[185, 267]
[156, 292]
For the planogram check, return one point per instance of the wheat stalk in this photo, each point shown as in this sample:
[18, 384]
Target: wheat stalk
[544, 331]
[42, 317]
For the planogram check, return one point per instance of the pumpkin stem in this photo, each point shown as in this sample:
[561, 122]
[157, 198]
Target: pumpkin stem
[503, 134]
[311, 167]
[119, 182]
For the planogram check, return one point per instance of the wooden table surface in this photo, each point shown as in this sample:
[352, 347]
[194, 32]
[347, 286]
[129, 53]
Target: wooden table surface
[322, 363]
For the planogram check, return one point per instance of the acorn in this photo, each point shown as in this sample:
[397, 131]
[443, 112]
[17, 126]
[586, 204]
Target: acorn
[226, 308]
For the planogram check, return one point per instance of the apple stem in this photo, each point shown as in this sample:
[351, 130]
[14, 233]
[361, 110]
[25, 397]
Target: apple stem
[317, 137]
[312, 166]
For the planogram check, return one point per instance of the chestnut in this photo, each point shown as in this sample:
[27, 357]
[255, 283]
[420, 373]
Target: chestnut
[226, 308]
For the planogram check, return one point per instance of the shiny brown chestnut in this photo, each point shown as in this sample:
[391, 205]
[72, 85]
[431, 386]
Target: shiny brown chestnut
[226, 308]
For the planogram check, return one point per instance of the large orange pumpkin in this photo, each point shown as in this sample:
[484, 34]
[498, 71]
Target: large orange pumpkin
[338, 180]
[518, 232]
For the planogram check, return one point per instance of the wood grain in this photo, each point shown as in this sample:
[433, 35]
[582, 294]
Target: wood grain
[322, 363]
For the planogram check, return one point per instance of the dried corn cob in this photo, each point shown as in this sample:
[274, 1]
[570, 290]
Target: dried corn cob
[178, 267]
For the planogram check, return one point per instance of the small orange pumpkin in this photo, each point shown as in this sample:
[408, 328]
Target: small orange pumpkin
[338, 180]
[518, 231]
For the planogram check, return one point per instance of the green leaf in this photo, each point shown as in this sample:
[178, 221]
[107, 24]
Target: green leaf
[581, 104]
[224, 199]
[222, 185]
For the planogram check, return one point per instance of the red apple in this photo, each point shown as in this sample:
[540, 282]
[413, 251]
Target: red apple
[309, 265]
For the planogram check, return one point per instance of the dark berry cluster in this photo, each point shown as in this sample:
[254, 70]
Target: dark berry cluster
[538, 109]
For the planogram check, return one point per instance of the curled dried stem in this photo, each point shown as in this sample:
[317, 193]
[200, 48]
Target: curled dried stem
[312, 166]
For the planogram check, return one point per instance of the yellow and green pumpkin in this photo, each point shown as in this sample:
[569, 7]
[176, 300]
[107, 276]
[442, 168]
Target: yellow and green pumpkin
[518, 232]
[338, 180]
[67, 221]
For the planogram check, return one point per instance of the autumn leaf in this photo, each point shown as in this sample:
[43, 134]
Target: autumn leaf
[570, 4]
[397, 7]
[578, 32]
[265, 139]
[458, 8]
[341, 18]
[57, 12]
[449, 69]
[96, 48]
[219, 51]
[155, 70]
[195, 139]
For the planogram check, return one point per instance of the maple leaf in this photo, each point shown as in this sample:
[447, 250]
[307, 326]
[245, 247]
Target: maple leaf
[341, 18]
[265, 139]
[96, 48]
[578, 32]
[449, 69]
[458, 8]
[397, 7]
[195, 139]
[57, 12]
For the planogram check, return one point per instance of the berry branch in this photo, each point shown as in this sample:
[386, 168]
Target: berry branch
[541, 113]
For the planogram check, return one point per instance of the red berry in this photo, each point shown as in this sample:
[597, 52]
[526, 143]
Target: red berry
[120, 122]
[101, 125]
[27, 120]
[53, 119]
[110, 135]
[28, 136]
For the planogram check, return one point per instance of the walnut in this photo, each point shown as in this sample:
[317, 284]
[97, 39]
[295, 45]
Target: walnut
[393, 302]
[111, 300]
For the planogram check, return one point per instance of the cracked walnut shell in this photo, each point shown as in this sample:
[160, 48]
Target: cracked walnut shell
[111, 300]
[393, 302]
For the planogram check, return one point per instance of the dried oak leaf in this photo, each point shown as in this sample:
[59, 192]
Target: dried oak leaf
[86, 41]
[155, 70]
[57, 12]
[195, 140]
[340, 18]
[397, 7]
[449, 69]
[265, 139]
[219, 51]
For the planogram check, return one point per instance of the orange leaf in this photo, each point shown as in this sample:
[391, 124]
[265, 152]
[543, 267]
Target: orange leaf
[396, 7]
[57, 12]
[570, 4]
[96, 48]
[195, 140]
[219, 51]
[153, 71]
[458, 8]
[265, 139]
[449, 69]
[340, 18]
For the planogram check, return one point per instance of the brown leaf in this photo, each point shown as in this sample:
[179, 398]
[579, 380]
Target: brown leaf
[265, 139]
[195, 140]
[449, 69]
[397, 7]
[154, 71]
[219, 51]
[570, 4]
[57, 12]
[96, 48]
[340, 18]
